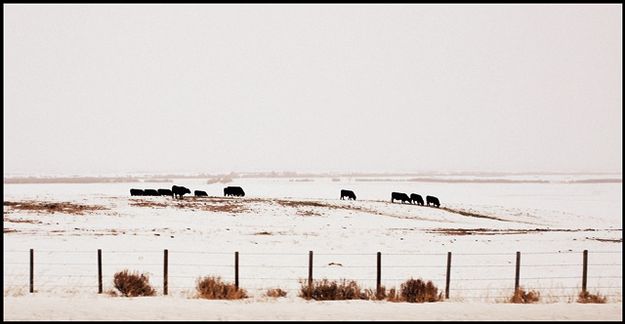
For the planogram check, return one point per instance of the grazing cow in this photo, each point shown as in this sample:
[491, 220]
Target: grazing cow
[416, 198]
[200, 193]
[137, 192]
[433, 200]
[234, 191]
[348, 193]
[400, 196]
[179, 191]
[151, 192]
[165, 192]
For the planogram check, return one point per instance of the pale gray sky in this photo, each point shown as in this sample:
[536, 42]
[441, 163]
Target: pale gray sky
[338, 88]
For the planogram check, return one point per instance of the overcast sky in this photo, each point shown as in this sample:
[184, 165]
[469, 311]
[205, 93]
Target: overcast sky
[97, 89]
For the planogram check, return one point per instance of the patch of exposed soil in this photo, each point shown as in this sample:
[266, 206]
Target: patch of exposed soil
[29, 221]
[492, 231]
[45, 207]
[470, 214]
[606, 240]
[304, 203]
[147, 203]
[307, 213]
[223, 205]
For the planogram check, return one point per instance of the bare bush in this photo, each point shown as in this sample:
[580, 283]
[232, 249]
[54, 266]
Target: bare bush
[213, 288]
[522, 297]
[585, 297]
[413, 291]
[133, 284]
[419, 291]
[331, 290]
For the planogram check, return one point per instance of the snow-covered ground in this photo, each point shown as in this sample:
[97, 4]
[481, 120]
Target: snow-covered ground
[280, 220]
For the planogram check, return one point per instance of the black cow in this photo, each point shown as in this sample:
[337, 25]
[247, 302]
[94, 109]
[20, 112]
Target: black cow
[200, 193]
[400, 196]
[234, 191]
[151, 192]
[165, 192]
[348, 193]
[179, 191]
[416, 198]
[137, 192]
[433, 200]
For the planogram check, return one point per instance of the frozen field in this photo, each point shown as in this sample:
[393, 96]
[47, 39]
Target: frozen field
[280, 220]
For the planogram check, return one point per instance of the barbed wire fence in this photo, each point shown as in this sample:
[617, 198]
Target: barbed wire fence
[558, 276]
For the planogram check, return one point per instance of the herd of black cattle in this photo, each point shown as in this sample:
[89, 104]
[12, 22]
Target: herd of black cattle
[179, 191]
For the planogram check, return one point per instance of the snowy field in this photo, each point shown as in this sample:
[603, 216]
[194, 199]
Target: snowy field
[280, 220]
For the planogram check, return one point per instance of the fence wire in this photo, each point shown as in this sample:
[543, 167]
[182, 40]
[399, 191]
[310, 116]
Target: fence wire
[463, 275]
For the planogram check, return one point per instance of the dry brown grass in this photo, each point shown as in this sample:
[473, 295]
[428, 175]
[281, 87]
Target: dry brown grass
[331, 290]
[419, 291]
[276, 293]
[522, 297]
[213, 288]
[585, 297]
[133, 284]
[394, 296]
[46, 207]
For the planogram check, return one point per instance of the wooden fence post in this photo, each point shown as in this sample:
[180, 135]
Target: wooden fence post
[585, 271]
[236, 270]
[517, 272]
[32, 270]
[165, 256]
[448, 275]
[310, 271]
[99, 271]
[379, 275]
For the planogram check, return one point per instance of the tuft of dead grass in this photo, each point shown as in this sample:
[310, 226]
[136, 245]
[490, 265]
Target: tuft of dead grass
[585, 297]
[210, 287]
[275, 292]
[133, 284]
[394, 296]
[522, 297]
[331, 290]
[419, 291]
[46, 207]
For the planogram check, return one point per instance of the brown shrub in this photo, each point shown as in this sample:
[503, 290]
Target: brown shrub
[213, 288]
[585, 297]
[419, 291]
[133, 284]
[522, 297]
[331, 290]
[276, 292]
